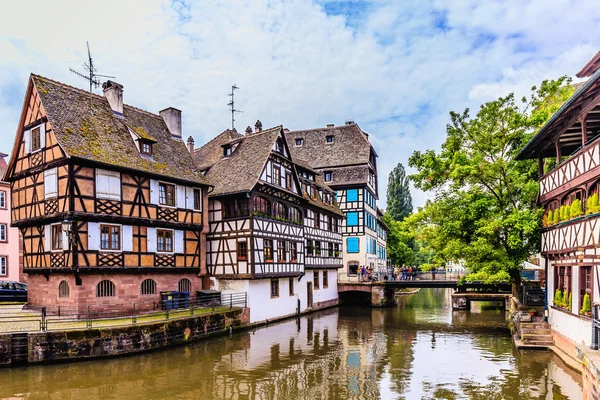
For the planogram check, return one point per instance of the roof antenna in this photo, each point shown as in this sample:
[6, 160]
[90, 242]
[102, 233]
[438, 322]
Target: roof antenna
[93, 78]
[231, 105]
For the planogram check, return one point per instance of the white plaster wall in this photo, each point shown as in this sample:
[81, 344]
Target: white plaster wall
[571, 326]
[323, 294]
[263, 307]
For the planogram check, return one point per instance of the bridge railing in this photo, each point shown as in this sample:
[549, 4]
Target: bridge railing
[414, 276]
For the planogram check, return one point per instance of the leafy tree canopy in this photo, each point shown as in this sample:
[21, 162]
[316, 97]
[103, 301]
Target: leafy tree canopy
[485, 210]
[399, 199]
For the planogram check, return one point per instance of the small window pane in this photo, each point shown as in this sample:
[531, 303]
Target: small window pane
[148, 287]
[63, 290]
[105, 289]
[185, 285]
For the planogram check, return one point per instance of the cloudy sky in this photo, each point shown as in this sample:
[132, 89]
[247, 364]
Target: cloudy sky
[395, 67]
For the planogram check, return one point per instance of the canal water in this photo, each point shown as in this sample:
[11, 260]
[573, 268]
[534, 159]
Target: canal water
[420, 349]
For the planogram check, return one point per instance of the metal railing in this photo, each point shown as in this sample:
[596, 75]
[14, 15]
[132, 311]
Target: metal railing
[595, 326]
[18, 318]
[411, 276]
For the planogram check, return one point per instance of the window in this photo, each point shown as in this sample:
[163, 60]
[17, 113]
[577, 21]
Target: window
[352, 195]
[3, 265]
[105, 289]
[330, 223]
[317, 248]
[185, 285]
[268, 250]
[235, 207]
[148, 287]
[299, 141]
[145, 147]
[279, 145]
[291, 286]
[281, 250]
[110, 237]
[242, 250]
[330, 249]
[316, 279]
[585, 283]
[36, 139]
[277, 176]
[56, 236]
[293, 251]
[50, 183]
[288, 181]
[327, 176]
[352, 268]
[325, 279]
[166, 194]
[108, 184]
[329, 138]
[309, 247]
[227, 151]
[295, 216]
[352, 218]
[352, 245]
[164, 240]
[279, 211]
[336, 250]
[198, 200]
[262, 206]
[274, 287]
[2, 199]
[317, 220]
[3, 233]
[63, 290]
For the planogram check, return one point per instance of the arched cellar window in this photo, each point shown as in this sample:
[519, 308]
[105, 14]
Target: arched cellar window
[262, 206]
[279, 210]
[63, 290]
[105, 289]
[148, 286]
[185, 285]
[295, 215]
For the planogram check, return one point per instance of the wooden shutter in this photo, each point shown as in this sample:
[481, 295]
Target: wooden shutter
[42, 135]
[27, 140]
[48, 237]
[178, 238]
[127, 238]
[151, 240]
[153, 191]
[114, 185]
[93, 236]
[50, 183]
[180, 196]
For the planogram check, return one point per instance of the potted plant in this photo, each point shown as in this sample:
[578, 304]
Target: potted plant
[558, 298]
[586, 308]
[531, 312]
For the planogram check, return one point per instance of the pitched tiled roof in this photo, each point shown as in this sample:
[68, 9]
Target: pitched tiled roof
[209, 154]
[321, 184]
[85, 127]
[350, 146]
[240, 171]
[3, 166]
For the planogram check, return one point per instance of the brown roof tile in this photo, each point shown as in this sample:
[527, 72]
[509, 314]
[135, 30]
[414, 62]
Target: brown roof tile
[209, 154]
[85, 127]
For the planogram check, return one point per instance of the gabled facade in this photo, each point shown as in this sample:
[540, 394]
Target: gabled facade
[568, 151]
[107, 198]
[347, 163]
[274, 225]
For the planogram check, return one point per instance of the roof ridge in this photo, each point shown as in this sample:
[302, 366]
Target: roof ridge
[213, 139]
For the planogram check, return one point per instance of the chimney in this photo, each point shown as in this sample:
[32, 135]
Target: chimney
[190, 144]
[114, 94]
[330, 125]
[258, 126]
[172, 118]
[248, 130]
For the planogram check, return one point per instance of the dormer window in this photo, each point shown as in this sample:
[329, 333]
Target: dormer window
[146, 147]
[279, 146]
[299, 142]
[327, 176]
[227, 151]
[329, 138]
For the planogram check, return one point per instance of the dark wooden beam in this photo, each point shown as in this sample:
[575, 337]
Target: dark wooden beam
[558, 155]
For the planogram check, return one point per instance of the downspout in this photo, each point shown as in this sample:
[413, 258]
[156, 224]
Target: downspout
[546, 289]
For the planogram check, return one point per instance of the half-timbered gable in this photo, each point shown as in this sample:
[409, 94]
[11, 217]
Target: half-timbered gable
[119, 178]
[567, 148]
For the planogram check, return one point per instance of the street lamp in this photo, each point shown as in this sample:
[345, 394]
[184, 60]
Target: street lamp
[67, 227]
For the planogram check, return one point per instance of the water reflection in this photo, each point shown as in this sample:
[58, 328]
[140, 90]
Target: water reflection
[421, 349]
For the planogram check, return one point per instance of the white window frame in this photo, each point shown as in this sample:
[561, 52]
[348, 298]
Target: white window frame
[3, 199]
[100, 249]
[172, 238]
[49, 175]
[158, 194]
[3, 233]
[64, 239]
[4, 268]
[112, 178]
[28, 140]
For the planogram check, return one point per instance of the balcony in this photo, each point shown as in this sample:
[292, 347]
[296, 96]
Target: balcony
[572, 235]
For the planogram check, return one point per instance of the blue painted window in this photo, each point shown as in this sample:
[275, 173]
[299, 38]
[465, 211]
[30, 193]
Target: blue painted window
[352, 218]
[352, 195]
[352, 245]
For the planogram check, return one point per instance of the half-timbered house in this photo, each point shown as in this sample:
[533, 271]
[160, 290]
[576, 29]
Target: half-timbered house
[568, 151]
[107, 198]
[274, 224]
[347, 162]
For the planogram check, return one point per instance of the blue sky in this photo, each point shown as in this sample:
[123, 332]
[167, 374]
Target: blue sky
[395, 67]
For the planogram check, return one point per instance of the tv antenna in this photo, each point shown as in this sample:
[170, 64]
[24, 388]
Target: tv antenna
[231, 104]
[93, 76]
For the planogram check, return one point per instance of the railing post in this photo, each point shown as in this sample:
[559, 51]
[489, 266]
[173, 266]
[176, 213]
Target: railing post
[230, 301]
[43, 327]
[595, 323]
[89, 321]
[133, 318]
[167, 311]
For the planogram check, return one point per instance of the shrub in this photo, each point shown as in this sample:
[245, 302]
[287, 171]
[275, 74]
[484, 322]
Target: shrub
[576, 209]
[558, 298]
[556, 216]
[570, 300]
[593, 204]
[587, 304]
[549, 218]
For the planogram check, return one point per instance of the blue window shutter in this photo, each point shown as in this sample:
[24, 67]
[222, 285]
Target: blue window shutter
[352, 218]
[352, 245]
[352, 195]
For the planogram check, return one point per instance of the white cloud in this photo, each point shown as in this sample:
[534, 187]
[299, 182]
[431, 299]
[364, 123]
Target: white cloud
[397, 70]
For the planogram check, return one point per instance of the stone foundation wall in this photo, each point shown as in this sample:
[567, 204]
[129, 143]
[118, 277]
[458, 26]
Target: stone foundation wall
[106, 342]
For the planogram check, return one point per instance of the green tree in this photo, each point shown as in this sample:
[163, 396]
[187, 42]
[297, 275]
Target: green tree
[485, 209]
[399, 199]
[400, 244]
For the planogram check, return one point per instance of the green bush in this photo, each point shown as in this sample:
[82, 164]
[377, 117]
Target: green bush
[587, 304]
[549, 218]
[593, 204]
[576, 209]
[570, 301]
[558, 298]
[556, 216]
